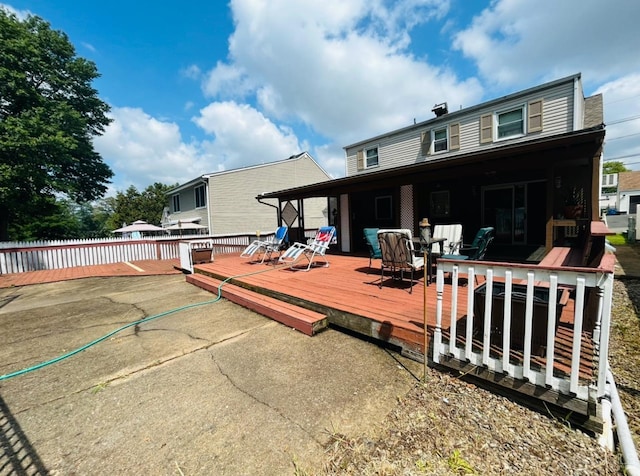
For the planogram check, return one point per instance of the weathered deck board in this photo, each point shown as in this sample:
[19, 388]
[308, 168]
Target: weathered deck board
[348, 293]
[348, 286]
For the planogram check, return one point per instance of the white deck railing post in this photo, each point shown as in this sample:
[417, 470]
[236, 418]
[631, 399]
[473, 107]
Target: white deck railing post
[534, 368]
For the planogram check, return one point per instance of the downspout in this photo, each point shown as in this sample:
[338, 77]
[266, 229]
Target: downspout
[271, 205]
[629, 453]
[207, 189]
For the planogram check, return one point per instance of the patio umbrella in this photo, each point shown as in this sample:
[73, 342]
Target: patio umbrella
[138, 225]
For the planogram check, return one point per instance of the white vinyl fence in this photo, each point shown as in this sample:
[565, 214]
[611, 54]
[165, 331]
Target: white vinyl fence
[43, 255]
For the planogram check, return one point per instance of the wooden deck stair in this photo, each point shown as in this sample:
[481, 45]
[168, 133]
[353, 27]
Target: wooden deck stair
[304, 320]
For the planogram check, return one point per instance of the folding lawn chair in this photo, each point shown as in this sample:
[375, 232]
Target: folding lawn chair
[316, 248]
[263, 249]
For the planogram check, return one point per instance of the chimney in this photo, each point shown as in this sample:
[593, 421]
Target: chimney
[440, 109]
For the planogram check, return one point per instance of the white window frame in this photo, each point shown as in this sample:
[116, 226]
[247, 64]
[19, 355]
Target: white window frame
[446, 139]
[366, 157]
[175, 200]
[496, 120]
[204, 196]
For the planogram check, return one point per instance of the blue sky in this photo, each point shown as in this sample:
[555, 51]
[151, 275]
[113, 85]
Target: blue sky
[198, 87]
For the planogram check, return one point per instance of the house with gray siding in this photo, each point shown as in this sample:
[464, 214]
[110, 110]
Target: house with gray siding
[515, 163]
[225, 202]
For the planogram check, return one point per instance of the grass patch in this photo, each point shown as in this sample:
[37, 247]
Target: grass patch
[617, 239]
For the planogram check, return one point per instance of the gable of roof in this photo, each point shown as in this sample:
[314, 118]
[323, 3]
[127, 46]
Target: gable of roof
[204, 177]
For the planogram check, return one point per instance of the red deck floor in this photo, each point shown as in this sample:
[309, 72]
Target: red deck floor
[348, 293]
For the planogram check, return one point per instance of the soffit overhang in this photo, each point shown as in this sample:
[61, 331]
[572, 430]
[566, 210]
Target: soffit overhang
[559, 148]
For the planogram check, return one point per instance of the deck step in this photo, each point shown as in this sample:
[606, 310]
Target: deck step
[304, 320]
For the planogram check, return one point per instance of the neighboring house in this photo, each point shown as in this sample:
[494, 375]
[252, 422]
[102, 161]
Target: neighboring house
[609, 193]
[225, 202]
[628, 191]
[518, 163]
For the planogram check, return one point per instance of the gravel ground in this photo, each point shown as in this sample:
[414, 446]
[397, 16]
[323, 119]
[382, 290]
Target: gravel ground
[452, 427]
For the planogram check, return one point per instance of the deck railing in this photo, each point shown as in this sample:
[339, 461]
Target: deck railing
[591, 293]
[60, 255]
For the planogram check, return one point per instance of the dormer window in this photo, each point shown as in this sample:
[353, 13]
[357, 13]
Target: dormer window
[367, 158]
[440, 140]
[372, 157]
[510, 123]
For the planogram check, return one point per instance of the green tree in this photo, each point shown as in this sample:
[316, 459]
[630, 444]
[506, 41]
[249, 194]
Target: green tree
[613, 167]
[49, 114]
[133, 205]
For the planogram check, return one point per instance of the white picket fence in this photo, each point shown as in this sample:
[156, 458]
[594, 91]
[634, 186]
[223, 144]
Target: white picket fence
[19, 257]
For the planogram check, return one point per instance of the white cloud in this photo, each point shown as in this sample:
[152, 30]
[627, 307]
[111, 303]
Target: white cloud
[243, 136]
[142, 150]
[191, 72]
[88, 46]
[622, 116]
[21, 14]
[515, 42]
[226, 81]
[340, 68]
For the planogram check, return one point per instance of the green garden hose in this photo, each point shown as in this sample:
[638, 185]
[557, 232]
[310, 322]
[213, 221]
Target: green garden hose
[141, 321]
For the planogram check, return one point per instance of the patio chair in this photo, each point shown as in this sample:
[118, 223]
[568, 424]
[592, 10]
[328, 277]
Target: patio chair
[478, 247]
[371, 239]
[316, 248]
[453, 234]
[263, 249]
[398, 253]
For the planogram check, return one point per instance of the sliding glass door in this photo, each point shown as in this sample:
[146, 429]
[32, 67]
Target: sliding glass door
[504, 208]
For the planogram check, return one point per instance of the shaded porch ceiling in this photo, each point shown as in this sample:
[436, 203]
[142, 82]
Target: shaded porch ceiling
[577, 147]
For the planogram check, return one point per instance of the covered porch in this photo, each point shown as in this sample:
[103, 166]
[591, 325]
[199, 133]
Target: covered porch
[535, 194]
[554, 358]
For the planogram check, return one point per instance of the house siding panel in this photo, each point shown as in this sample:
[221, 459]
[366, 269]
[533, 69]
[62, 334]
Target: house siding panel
[403, 147]
[234, 209]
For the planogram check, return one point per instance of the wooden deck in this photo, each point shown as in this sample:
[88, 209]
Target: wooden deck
[348, 294]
